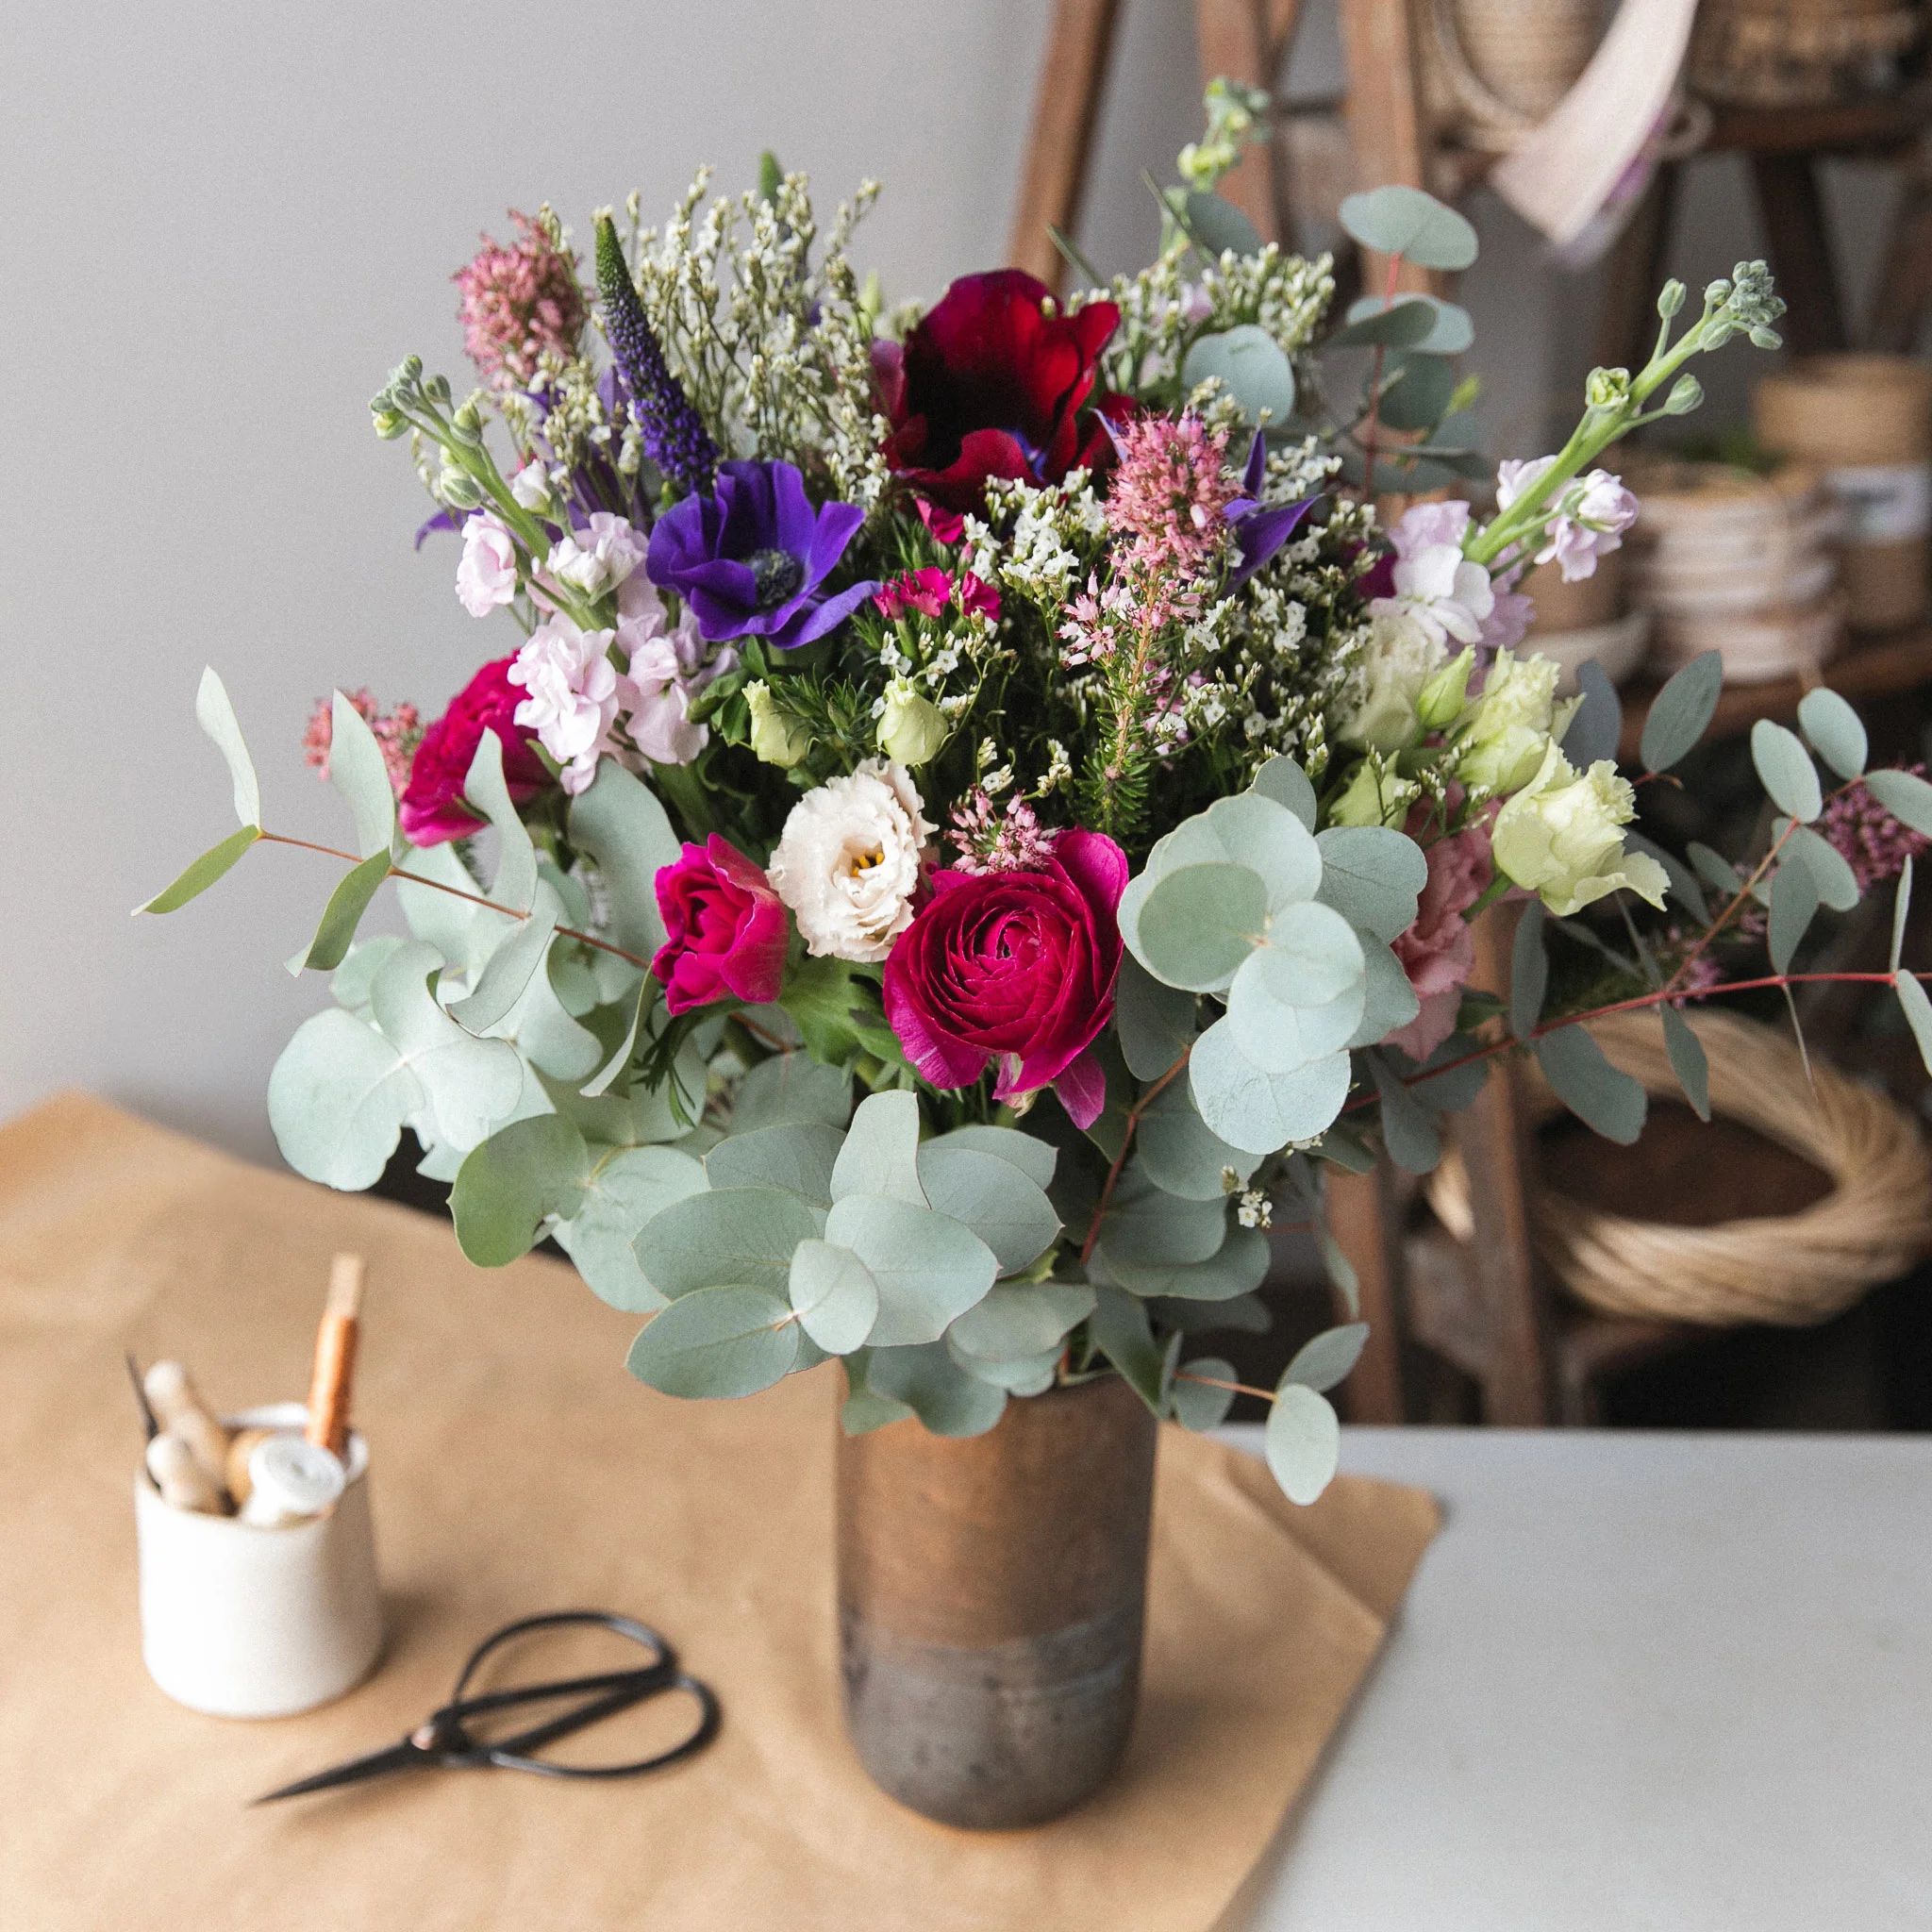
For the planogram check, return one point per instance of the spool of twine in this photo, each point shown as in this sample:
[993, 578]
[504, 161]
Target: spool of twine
[1789, 1270]
[1867, 422]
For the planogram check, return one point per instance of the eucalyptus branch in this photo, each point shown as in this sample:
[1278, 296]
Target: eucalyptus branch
[1120, 1160]
[1239, 1388]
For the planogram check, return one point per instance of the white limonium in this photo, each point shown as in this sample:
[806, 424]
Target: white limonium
[1561, 836]
[848, 864]
[574, 696]
[486, 575]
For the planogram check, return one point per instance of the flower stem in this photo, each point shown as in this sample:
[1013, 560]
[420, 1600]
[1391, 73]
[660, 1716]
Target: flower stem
[1120, 1160]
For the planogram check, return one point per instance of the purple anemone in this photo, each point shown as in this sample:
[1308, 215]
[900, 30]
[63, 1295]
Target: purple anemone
[1261, 528]
[750, 558]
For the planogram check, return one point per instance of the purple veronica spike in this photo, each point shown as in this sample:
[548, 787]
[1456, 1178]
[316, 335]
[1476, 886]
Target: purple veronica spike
[749, 559]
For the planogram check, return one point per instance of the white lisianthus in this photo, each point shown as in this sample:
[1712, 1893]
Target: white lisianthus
[1398, 660]
[1511, 725]
[849, 861]
[574, 696]
[1561, 836]
[486, 575]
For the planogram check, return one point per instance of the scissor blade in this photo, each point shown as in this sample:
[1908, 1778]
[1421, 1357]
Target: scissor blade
[402, 1757]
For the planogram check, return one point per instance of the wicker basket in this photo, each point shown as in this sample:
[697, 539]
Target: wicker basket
[1791, 1271]
[1493, 70]
[1779, 53]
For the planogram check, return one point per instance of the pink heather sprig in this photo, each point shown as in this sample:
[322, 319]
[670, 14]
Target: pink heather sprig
[519, 302]
[397, 734]
[1869, 839]
[1169, 494]
[991, 840]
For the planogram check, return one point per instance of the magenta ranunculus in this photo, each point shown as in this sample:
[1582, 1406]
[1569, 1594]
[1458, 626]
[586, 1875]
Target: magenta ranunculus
[727, 928]
[1017, 967]
[1438, 952]
[432, 807]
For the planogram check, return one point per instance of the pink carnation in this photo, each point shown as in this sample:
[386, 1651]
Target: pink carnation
[726, 927]
[518, 303]
[432, 804]
[1438, 952]
[921, 591]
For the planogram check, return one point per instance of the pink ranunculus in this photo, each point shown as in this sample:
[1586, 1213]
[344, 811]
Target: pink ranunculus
[1017, 967]
[1438, 952]
[432, 807]
[727, 928]
[486, 576]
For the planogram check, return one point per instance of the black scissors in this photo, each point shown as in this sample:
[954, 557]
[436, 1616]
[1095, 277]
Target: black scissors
[443, 1741]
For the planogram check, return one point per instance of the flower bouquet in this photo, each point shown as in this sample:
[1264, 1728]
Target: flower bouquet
[978, 811]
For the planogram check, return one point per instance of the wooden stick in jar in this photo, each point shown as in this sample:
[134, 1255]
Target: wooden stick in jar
[335, 1356]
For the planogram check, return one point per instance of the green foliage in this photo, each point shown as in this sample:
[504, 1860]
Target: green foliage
[1155, 1022]
[337, 1099]
[619, 822]
[1408, 1131]
[1601, 1096]
[717, 1341]
[881, 1151]
[1688, 1060]
[795, 1157]
[1836, 731]
[1328, 1358]
[343, 915]
[1258, 1110]
[1250, 365]
[1424, 323]
[1787, 771]
[866, 1409]
[507, 974]
[1905, 796]
[1837, 884]
[1199, 922]
[927, 1379]
[515, 884]
[216, 716]
[1793, 905]
[929, 1268]
[790, 1086]
[1147, 1228]
[1123, 1333]
[203, 873]
[1373, 877]
[509, 1184]
[1681, 711]
[724, 1236]
[626, 1188]
[823, 997]
[1197, 1404]
[1597, 727]
[1918, 1012]
[356, 770]
[835, 1295]
[1035, 1159]
[1529, 971]
[1237, 1268]
[1389, 1000]
[992, 1196]
[1180, 1155]
[1303, 1442]
[1284, 782]
[1417, 227]
[1015, 1325]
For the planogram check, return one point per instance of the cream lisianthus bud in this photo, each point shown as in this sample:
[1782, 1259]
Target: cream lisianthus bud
[912, 729]
[1502, 744]
[1562, 836]
[776, 736]
[1445, 694]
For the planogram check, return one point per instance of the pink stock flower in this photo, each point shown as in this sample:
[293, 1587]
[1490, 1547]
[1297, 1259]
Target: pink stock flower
[486, 576]
[573, 696]
[668, 668]
[727, 928]
[519, 302]
[1170, 493]
[432, 804]
[1590, 518]
[1016, 968]
[1438, 952]
[1432, 582]
[396, 734]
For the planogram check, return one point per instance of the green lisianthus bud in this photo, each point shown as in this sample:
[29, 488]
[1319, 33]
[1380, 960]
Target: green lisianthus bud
[1375, 795]
[1561, 836]
[778, 736]
[1398, 660]
[1510, 726]
[1444, 696]
[911, 729]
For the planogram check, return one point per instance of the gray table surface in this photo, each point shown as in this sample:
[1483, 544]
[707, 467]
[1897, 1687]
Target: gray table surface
[1680, 1683]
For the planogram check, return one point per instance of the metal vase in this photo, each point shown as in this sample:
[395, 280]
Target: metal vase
[990, 1601]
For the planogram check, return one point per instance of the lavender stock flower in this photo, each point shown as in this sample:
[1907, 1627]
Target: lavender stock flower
[675, 436]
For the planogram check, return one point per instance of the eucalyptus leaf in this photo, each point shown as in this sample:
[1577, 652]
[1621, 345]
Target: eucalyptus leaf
[1529, 971]
[1918, 1012]
[1408, 1132]
[1405, 221]
[1793, 905]
[203, 873]
[1016, 1323]
[1340, 1269]
[1714, 868]
[1688, 1060]
[216, 716]
[471, 1085]
[1199, 922]
[881, 1151]
[1328, 1358]
[1303, 1442]
[1248, 829]
[1601, 1096]
[1596, 728]
[1197, 1402]
[1257, 1111]
[790, 1086]
[1901, 911]
[621, 1056]
[1389, 1000]
[1837, 883]
[1121, 1330]
[866, 1409]
[1145, 1226]
[929, 1268]
[430, 880]
[1180, 1154]
[358, 772]
[1690, 894]
[340, 917]
[619, 822]
[1284, 781]
[1011, 1213]
[541, 1029]
[1422, 323]
[795, 1157]
[725, 1235]
[1237, 1268]
[718, 1342]
[1681, 713]
[1246, 1312]
[1904, 795]
[1155, 1022]
[626, 1188]
[507, 975]
[337, 1099]
[515, 884]
[1373, 877]
[936, 1389]
[1836, 730]
[1455, 1087]
[1215, 224]
[361, 963]
[1272, 1030]
[1032, 1156]
[1250, 364]
[1416, 391]
[834, 1294]
[1786, 768]
[509, 1184]
[1032, 1376]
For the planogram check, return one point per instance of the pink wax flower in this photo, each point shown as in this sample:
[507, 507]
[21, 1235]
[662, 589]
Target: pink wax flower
[1017, 968]
[432, 804]
[519, 302]
[1438, 952]
[486, 576]
[727, 928]
[396, 734]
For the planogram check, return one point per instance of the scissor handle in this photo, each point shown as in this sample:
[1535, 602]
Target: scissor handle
[617, 1690]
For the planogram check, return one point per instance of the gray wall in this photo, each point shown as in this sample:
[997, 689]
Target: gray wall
[226, 223]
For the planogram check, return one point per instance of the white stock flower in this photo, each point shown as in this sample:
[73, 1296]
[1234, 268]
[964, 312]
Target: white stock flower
[574, 696]
[530, 486]
[486, 576]
[1587, 521]
[848, 863]
[1435, 584]
[598, 558]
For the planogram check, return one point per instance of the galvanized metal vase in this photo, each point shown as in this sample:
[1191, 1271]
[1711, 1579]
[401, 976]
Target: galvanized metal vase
[990, 1601]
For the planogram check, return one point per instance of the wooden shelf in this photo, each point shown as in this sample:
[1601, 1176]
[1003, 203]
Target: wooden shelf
[1849, 127]
[1872, 667]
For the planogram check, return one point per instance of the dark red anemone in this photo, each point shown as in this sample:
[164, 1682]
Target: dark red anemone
[991, 385]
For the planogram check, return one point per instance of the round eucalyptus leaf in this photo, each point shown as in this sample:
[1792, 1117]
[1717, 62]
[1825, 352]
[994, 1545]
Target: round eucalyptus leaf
[625, 1191]
[1155, 1023]
[1836, 729]
[471, 1085]
[1032, 1156]
[1405, 221]
[936, 1389]
[1238, 1268]
[1257, 1111]
[1198, 1404]
[1250, 365]
[1031, 1376]
[880, 1154]
[1328, 1358]
[1287, 784]
[1252, 829]
[1017, 1323]
[1422, 323]
[1837, 883]
[724, 1341]
[1218, 226]
[1418, 386]
[835, 1296]
[1786, 768]
[1179, 1154]
[795, 1157]
[725, 1235]
[790, 1087]
[1146, 1226]
[337, 1099]
[929, 1268]
[620, 823]
[509, 1184]
[1303, 1442]
[1007, 1211]
[1389, 1000]
[1904, 795]
[1199, 922]
[1373, 877]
